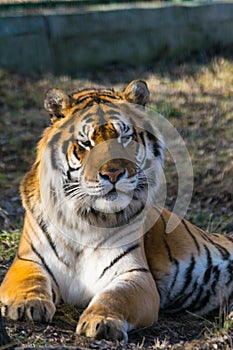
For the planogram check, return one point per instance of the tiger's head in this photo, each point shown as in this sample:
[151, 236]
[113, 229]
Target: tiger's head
[101, 158]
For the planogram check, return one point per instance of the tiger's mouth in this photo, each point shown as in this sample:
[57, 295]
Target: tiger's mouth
[116, 195]
[112, 201]
[112, 195]
[109, 196]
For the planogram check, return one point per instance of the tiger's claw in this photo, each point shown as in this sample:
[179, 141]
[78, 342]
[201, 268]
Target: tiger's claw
[102, 327]
[33, 309]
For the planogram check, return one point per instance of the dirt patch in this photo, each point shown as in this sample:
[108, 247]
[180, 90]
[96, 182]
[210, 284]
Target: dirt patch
[175, 333]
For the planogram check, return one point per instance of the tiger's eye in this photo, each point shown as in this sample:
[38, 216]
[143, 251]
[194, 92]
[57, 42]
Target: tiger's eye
[85, 144]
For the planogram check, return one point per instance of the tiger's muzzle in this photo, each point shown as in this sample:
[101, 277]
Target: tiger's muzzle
[110, 161]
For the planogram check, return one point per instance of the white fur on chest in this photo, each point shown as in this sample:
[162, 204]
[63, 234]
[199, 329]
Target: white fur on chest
[82, 282]
[81, 278]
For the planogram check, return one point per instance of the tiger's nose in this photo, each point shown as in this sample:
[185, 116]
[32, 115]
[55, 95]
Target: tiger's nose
[112, 175]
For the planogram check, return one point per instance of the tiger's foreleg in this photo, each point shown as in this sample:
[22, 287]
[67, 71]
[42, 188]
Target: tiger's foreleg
[26, 291]
[127, 303]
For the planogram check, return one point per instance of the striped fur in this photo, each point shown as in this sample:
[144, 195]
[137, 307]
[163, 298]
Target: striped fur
[87, 236]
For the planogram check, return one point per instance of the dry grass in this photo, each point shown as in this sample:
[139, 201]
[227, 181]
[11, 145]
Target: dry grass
[196, 96]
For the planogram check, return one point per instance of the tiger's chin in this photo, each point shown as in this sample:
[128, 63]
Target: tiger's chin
[113, 202]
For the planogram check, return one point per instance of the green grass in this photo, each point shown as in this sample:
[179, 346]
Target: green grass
[8, 244]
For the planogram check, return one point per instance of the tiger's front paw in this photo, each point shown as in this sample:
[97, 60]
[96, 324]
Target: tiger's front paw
[102, 327]
[33, 308]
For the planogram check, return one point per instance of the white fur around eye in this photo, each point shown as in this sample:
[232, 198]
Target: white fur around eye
[125, 140]
[74, 162]
[85, 144]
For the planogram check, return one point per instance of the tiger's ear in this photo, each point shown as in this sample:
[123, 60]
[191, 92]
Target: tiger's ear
[137, 92]
[56, 103]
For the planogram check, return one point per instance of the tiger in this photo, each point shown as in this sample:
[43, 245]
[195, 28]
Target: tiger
[94, 235]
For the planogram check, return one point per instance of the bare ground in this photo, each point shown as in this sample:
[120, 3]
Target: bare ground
[196, 96]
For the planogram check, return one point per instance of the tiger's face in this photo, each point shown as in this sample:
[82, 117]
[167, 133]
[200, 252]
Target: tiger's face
[105, 156]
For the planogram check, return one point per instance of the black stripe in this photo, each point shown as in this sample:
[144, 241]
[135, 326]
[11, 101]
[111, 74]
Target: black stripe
[152, 138]
[192, 235]
[102, 116]
[155, 144]
[216, 273]
[68, 174]
[89, 100]
[89, 116]
[164, 222]
[70, 189]
[209, 258]
[162, 218]
[201, 300]
[222, 250]
[230, 272]
[36, 234]
[202, 303]
[89, 120]
[29, 260]
[93, 97]
[54, 296]
[71, 130]
[194, 303]
[176, 263]
[138, 269]
[87, 103]
[141, 134]
[114, 261]
[187, 279]
[132, 121]
[70, 167]
[44, 264]
[229, 238]
[82, 111]
[168, 251]
[113, 113]
[65, 145]
[52, 146]
[209, 269]
[43, 227]
[188, 275]
[178, 303]
[156, 149]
